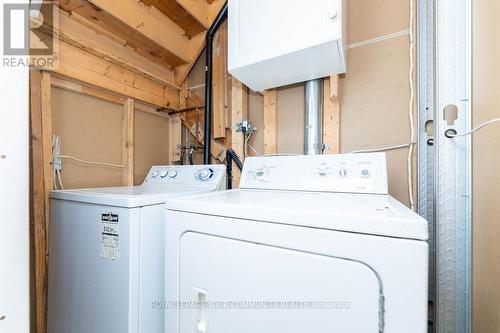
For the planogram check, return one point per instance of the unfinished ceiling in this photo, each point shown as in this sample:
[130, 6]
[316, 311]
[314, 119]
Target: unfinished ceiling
[170, 33]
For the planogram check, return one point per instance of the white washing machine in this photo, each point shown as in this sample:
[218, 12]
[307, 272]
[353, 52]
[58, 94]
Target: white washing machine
[307, 244]
[106, 251]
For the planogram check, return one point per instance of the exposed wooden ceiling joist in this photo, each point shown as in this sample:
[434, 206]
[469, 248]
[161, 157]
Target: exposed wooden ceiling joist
[132, 21]
[92, 41]
[196, 47]
[177, 13]
[199, 9]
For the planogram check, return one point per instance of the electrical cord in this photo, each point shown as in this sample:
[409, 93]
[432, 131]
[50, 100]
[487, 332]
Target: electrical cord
[92, 162]
[374, 150]
[56, 152]
[477, 128]
[57, 164]
[247, 145]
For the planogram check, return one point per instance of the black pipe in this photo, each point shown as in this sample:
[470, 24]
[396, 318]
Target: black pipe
[208, 82]
[230, 157]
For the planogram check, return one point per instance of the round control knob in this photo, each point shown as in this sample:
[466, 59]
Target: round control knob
[163, 173]
[261, 174]
[205, 174]
[323, 170]
[343, 172]
[154, 174]
[365, 173]
[172, 174]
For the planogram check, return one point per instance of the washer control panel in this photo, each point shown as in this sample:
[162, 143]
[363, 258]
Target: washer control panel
[349, 173]
[186, 174]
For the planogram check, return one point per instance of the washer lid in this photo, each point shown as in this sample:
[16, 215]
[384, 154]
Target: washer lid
[129, 197]
[360, 213]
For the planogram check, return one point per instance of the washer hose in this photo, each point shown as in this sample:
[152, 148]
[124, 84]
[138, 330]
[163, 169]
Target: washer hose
[230, 157]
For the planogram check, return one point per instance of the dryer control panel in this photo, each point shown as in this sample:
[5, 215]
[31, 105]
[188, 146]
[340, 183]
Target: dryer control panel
[347, 173]
[186, 174]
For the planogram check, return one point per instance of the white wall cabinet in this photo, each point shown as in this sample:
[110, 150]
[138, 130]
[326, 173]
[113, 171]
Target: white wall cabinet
[281, 42]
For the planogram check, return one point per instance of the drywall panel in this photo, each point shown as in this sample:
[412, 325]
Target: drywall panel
[150, 143]
[374, 110]
[486, 163]
[367, 19]
[291, 111]
[90, 129]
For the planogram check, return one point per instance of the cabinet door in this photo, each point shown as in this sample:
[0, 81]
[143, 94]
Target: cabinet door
[247, 288]
[263, 29]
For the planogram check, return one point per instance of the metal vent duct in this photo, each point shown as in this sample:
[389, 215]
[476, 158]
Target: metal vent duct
[313, 143]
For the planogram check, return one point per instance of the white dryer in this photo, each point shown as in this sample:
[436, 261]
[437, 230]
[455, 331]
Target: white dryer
[307, 244]
[106, 251]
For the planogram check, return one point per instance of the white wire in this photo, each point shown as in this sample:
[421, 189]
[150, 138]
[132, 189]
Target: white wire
[247, 145]
[253, 149]
[411, 106]
[56, 153]
[374, 150]
[476, 128]
[92, 162]
[378, 39]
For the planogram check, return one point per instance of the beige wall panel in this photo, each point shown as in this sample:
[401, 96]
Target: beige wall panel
[367, 19]
[486, 166]
[151, 143]
[90, 129]
[291, 108]
[374, 110]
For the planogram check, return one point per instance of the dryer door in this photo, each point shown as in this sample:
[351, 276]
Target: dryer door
[230, 285]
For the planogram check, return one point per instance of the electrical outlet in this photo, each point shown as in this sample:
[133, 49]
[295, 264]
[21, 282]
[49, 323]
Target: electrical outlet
[58, 165]
[245, 126]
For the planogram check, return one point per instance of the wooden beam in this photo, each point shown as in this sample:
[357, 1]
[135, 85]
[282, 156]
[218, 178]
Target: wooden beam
[215, 7]
[175, 128]
[79, 88]
[198, 9]
[38, 216]
[331, 115]
[220, 77]
[175, 135]
[95, 43]
[270, 122]
[128, 143]
[82, 66]
[136, 16]
[47, 141]
[239, 112]
[178, 14]
[196, 47]
[334, 86]
[156, 38]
